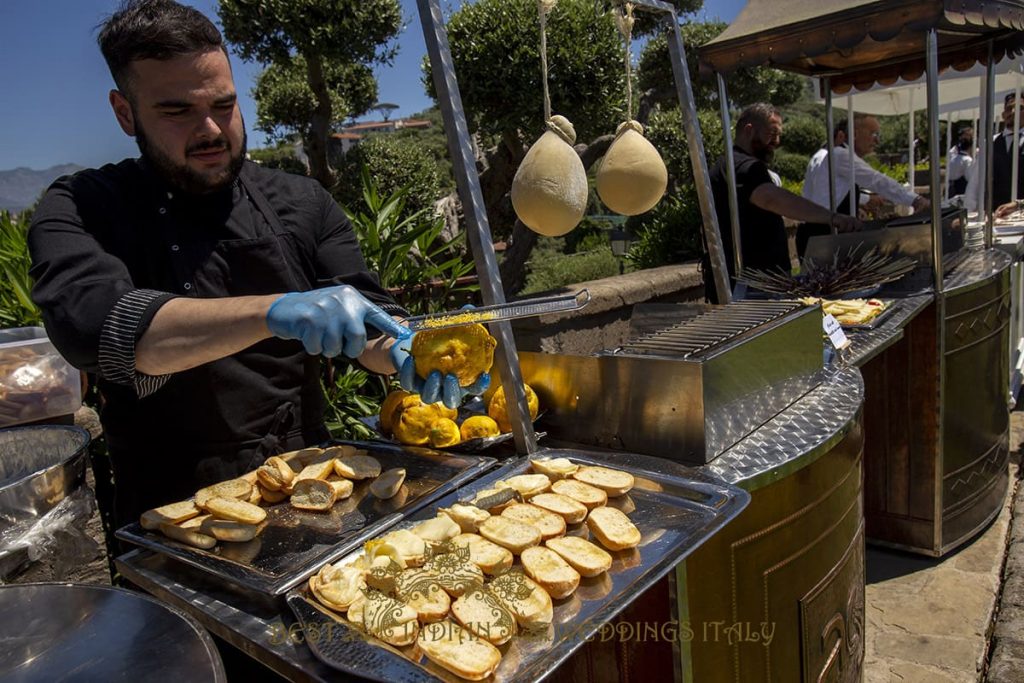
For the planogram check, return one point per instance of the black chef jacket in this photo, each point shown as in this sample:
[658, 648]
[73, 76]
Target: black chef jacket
[110, 246]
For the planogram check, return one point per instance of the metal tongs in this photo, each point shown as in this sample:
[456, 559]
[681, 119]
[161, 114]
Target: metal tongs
[524, 308]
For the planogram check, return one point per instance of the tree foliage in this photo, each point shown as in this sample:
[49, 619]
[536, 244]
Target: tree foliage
[285, 103]
[336, 41]
[394, 164]
[495, 47]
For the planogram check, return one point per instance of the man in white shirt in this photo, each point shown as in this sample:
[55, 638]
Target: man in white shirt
[866, 136]
[960, 158]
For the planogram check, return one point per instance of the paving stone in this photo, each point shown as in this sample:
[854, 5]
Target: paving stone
[909, 672]
[951, 603]
[1007, 661]
[957, 654]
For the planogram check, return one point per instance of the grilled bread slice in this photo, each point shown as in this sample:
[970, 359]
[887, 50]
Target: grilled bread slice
[490, 557]
[572, 511]
[468, 517]
[454, 649]
[342, 488]
[590, 496]
[388, 484]
[312, 494]
[527, 484]
[547, 523]
[232, 488]
[188, 536]
[271, 497]
[548, 569]
[419, 589]
[437, 530]
[481, 614]
[613, 529]
[554, 468]
[612, 482]
[582, 555]
[195, 522]
[337, 587]
[389, 619]
[174, 513]
[229, 530]
[508, 533]
[357, 466]
[529, 603]
[316, 470]
[237, 510]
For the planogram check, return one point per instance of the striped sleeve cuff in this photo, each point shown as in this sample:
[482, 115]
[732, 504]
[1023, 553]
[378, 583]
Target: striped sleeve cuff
[123, 327]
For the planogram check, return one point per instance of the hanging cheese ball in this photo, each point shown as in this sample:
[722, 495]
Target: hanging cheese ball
[549, 192]
[632, 177]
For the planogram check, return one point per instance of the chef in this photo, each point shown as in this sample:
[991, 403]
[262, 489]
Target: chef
[202, 289]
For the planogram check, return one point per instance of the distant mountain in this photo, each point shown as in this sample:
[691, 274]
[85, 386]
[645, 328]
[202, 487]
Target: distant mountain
[21, 187]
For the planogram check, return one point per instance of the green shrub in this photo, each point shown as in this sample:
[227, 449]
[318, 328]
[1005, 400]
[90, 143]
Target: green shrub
[790, 166]
[560, 270]
[665, 131]
[395, 164]
[669, 233]
[16, 306]
[281, 157]
[803, 134]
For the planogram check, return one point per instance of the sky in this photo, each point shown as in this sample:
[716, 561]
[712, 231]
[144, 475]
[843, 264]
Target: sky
[54, 82]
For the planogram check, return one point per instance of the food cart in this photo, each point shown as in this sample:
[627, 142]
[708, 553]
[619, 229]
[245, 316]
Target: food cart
[936, 420]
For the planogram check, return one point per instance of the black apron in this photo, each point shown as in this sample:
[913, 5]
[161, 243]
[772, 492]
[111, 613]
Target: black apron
[805, 231]
[223, 418]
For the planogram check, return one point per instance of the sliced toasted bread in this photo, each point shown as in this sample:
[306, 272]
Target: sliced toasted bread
[237, 510]
[508, 533]
[401, 545]
[613, 529]
[339, 451]
[437, 530]
[388, 484]
[454, 649]
[316, 470]
[547, 523]
[188, 536]
[590, 496]
[495, 500]
[269, 477]
[481, 614]
[548, 569]
[468, 517]
[232, 488]
[173, 513]
[583, 556]
[527, 484]
[229, 530]
[195, 523]
[312, 494]
[612, 482]
[572, 511]
[420, 590]
[355, 612]
[455, 572]
[554, 468]
[337, 587]
[490, 557]
[343, 488]
[529, 603]
[357, 467]
[389, 619]
[271, 497]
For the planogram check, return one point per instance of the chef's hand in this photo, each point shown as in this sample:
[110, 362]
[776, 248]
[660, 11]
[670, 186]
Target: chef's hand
[844, 223]
[921, 204]
[331, 321]
[436, 387]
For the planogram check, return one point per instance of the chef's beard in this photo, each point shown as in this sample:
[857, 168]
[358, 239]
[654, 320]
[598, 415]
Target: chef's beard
[184, 178]
[765, 153]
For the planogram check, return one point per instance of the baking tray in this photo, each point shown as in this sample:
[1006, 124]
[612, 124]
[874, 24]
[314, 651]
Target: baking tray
[674, 515]
[877, 320]
[296, 543]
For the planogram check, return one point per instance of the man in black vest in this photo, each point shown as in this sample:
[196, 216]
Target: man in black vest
[1002, 158]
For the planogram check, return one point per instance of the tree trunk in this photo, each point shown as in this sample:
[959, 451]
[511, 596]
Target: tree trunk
[320, 125]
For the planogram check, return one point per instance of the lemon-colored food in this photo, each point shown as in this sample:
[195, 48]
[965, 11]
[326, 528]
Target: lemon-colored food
[850, 311]
[464, 318]
[550, 190]
[464, 351]
[444, 432]
[632, 177]
[388, 407]
[413, 425]
[479, 427]
[498, 410]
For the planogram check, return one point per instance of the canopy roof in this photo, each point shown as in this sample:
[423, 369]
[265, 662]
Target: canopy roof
[862, 42]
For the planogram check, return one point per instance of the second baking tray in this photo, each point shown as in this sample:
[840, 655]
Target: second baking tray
[674, 515]
[296, 543]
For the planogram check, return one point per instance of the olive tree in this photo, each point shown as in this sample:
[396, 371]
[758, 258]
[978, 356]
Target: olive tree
[332, 38]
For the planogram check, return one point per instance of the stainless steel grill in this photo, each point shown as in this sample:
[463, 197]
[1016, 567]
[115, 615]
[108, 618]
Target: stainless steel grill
[707, 330]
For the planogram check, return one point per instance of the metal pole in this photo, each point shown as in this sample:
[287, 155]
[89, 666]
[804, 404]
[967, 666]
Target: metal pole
[949, 146]
[830, 146]
[990, 89]
[468, 183]
[851, 147]
[1015, 148]
[981, 163]
[698, 160]
[730, 171]
[933, 153]
[910, 143]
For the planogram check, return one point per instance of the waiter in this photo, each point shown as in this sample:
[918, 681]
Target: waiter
[762, 203]
[867, 133]
[1002, 157]
[199, 287]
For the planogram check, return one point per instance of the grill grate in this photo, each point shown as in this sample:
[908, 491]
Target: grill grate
[708, 330]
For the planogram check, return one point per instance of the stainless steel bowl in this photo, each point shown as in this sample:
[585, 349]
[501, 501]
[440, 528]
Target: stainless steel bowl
[39, 467]
[64, 632]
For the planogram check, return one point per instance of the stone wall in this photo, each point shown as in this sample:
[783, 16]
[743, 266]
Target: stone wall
[604, 322]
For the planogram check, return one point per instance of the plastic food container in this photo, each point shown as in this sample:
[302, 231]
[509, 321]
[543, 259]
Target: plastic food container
[35, 381]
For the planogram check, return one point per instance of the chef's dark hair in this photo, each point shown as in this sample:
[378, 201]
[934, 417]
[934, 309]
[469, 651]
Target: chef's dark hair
[1010, 97]
[756, 114]
[153, 29]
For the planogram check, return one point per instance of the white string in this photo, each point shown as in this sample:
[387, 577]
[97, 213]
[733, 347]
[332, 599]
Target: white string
[624, 20]
[544, 7]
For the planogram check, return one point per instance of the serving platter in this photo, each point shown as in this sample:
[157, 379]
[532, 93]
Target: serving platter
[674, 515]
[296, 543]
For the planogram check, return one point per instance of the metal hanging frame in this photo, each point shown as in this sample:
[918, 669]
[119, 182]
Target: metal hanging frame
[467, 181]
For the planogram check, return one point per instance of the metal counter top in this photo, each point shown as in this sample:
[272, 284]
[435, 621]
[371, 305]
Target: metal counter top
[976, 270]
[797, 436]
[866, 344]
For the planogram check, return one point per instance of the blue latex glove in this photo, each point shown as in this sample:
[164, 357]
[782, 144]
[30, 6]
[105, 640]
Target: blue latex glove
[330, 321]
[435, 387]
